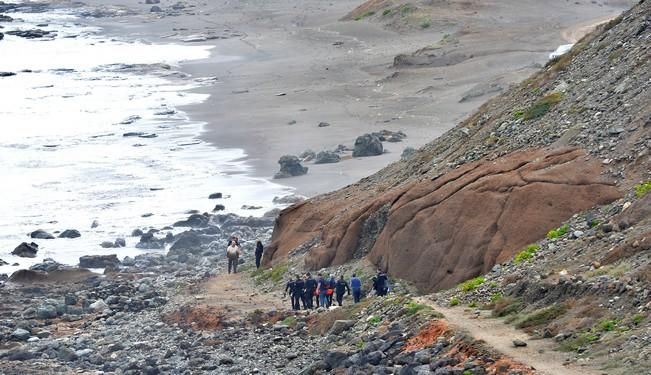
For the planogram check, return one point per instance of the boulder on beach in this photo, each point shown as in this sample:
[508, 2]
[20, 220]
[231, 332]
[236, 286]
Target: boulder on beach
[106, 244]
[155, 9]
[99, 261]
[215, 196]
[137, 233]
[290, 166]
[194, 221]
[3, 263]
[41, 234]
[326, 157]
[7, 74]
[368, 145]
[70, 233]
[307, 155]
[149, 2]
[219, 207]
[26, 250]
[120, 242]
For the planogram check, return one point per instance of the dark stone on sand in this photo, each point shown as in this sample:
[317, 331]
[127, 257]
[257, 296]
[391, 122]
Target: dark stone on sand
[70, 233]
[155, 9]
[152, 135]
[326, 157]
[194, 221]
[107, 244]
[133, 134]
[290, 166]
[2, 36]
[26, 250]
[7, 74]
[215, 196]
[368, 145]
[41, 234]
[29, 34]
[120, 242]
[219, 207]
[137, 233]
[323, 124]
[98, 261]
[149, 2]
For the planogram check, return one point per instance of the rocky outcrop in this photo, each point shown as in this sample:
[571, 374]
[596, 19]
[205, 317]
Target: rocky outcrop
[99, 261]
[26, 250]
[194, 221]
[290, 166]
[41, 234]
[326, 157]
[367, 145]
[441, 231]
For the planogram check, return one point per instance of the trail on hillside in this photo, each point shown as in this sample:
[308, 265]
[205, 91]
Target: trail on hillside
[539, 354]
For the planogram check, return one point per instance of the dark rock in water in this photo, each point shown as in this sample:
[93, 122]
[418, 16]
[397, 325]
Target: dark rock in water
[323, 124]
[41, 234]
[219, 207]
[7, 74]
[325, 157]
[290, 166]
[137, 233]
[26, 250]
[98, 261]
[3, 263]
[120, 242]
[133, 134]
[95, 224]
[130, 120]
[165, 112]
[189, 241]
[232, 220]
[215, 196]
[155, 9]
[70, 233]
[307, 155]
[247, 207]
[148, 241]
[107, 244]
[389, 136]
[367, 145]
[30, 34]
[2, 36]
[4, 18]
[194, 221]
[149, 2]
[152, 135]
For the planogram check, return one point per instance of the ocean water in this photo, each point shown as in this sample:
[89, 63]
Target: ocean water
[63, 157]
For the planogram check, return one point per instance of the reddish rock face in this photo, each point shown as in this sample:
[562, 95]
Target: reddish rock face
[443, 231]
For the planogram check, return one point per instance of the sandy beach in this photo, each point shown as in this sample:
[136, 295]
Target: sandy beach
[297, 66]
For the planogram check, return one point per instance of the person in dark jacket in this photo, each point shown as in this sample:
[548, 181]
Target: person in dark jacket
[259, 249]
[340, 288]
[356, 286]
[289, 287]
[297, 293]
[381, 284]
[332, 283]
[310, 288]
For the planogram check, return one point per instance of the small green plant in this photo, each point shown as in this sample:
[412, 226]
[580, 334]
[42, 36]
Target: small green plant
[578, 342]
[407, 8]
[364, 15]
[274, 274]
[496, 296]
[414, 307]
[454, 301]
[541, 316]
[526, 254]
[637, 319]
[642, 189]
[386, 12]
[606, 325]
[540, 107]
[374, 320]
[472, 304]
[472, 284]
[467, 372]
[518, 115]
[290, 321]
[426, 23]
[558, 232]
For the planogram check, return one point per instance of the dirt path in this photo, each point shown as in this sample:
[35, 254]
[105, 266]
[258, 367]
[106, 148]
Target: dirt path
[236, 295]
[539, 354]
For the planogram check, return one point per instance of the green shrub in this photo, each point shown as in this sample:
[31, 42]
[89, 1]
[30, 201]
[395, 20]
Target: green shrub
[558, 232]
[374, 320]
[386, 12]
[274, 274]
[472, 304]
[507, 306]
[606, 325]
[407, 8]
[472, 284]
[518, 115]
[526, 254]
[642, 189]
[426, 23]
[637, 319]
[364, 15]
[414, 307]
[496, 296]
[580, 341]
[541, 316]
[290, 321]
[454, 301]
[540, 107]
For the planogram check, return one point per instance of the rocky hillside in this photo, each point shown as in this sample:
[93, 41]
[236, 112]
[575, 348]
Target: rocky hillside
[571, 137]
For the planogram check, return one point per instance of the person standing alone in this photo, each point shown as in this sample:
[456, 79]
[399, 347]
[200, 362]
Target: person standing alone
[233, 254]
[259, 249]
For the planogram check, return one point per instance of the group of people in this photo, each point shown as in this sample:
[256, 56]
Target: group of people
[234, 250]
[312, 293]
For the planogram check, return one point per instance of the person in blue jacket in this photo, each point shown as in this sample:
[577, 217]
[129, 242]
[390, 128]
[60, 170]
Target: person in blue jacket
[356, 286]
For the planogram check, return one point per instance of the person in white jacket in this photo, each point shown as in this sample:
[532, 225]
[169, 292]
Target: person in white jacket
[233, 254]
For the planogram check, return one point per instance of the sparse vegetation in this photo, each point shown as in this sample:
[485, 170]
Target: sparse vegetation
[581, 340]
[526, 254]
[374, 320]
[413, 307]
[496, 296]
[540, 317]
[540, 107]
[386, 12]
[472, 304]
[637, 319]
[506, 306]
[426, 23]
[407, 8]
[290, 321]
[558, 232]
[472, 284]
[454, 301]
[518, 115]
[364, 15]
[606, 325]
[274, 274]
[642, 189]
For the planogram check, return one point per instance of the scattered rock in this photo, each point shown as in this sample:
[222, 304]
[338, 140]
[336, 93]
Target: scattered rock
[70, 233]
[290, 166]
[194, 221]
[99, 261]
[323, 124]
[21, 334]
[307, 155]
[367, 145]
[26, 250]
[519, 343]
[219, 207]
[41, 234]
[325, 157]
[215, 196]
